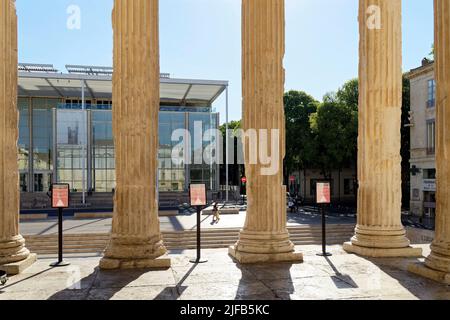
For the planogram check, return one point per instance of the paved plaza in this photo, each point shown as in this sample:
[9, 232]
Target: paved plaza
[342, 276]
[181, 222]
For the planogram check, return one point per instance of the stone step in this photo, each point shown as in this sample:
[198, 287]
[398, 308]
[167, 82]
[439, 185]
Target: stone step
[211, 238]
[179, 238]
[189, 245]
[169, 247]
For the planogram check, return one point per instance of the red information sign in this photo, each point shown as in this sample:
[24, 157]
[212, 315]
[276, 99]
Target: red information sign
[60, 196]
[323, 192]
[198, 195]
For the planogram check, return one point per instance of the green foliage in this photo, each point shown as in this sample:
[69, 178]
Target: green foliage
[232, 125]
[348, 95]
[334, 127]
[300, 148]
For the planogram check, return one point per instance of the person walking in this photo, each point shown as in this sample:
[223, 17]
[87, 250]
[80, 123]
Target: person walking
[216, 212]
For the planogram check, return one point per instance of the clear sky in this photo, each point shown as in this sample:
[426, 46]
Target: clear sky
[202, 39]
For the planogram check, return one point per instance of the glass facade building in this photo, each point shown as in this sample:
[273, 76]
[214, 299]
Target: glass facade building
[66, 135]
[61, 142]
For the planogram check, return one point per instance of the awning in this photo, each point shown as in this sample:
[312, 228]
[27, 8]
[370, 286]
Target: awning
[184, 92]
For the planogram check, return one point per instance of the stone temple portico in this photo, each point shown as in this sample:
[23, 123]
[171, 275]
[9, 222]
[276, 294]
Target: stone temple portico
[136, 239]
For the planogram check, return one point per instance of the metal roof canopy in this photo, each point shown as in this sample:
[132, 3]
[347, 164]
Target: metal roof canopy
[184, 92]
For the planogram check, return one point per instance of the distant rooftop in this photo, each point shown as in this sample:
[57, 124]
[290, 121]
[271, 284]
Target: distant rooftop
[44, 80]
[426, 66]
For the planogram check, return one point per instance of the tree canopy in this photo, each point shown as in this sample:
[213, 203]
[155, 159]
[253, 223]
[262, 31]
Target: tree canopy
[300, 149]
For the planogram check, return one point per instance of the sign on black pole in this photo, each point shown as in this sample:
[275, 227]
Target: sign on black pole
[198, 200]
[323, 197]
[60, 201]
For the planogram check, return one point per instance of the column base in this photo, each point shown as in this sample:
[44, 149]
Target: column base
[422, 270]
[125, 252]
[382, 252]
[264, 247]
[249, 258]
[19, 266]
[116, 263]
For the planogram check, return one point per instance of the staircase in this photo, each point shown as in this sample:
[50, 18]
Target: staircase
[184, 240]
[95, 200]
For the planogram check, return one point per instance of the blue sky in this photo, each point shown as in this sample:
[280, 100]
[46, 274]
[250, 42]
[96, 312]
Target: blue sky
[202, 39]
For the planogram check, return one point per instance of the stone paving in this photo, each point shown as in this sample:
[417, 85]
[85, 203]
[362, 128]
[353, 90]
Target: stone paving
[342, 276]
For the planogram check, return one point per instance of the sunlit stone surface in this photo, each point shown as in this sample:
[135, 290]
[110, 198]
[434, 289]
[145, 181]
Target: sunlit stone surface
[379, 232]
[437, 264]
[264, 237]
[136, 239]
[14, 256]
[341, 276]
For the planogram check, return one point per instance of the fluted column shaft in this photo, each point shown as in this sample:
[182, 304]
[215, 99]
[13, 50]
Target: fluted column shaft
[12, 244]
[439, 258]
[380, 98]
[136, 237]
[263, 90]
[263, 48]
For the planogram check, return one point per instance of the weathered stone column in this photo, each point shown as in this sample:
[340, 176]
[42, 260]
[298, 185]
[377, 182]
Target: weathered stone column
[14, 257]
[437, 264]
[379, 231]
[264, 237]
[136, 239]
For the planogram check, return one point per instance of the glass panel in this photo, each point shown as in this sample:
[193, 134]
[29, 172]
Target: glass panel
[103, 163]
[43, 134]
[200, 171]
[42, 182]
[71, 144]
[171, 175]
[24, 142]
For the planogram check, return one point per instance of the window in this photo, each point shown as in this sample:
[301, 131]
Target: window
[431, 137]
[24, 139]
[431, 93]
[43, 133]
[429, 173]
[103, 151]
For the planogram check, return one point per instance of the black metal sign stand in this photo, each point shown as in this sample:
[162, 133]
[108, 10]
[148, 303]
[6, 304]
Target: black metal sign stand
[60, 262]
[324, 252]
[60, 207]
[199, 253]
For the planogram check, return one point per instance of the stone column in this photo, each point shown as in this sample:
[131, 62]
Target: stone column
[379, 231]
[437, 264]
[264, 237]
[14, 256]
[136, 239]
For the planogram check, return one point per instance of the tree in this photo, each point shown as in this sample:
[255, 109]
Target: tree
[298, 107]
[334, 133]
[348, 94]
[232, 125]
